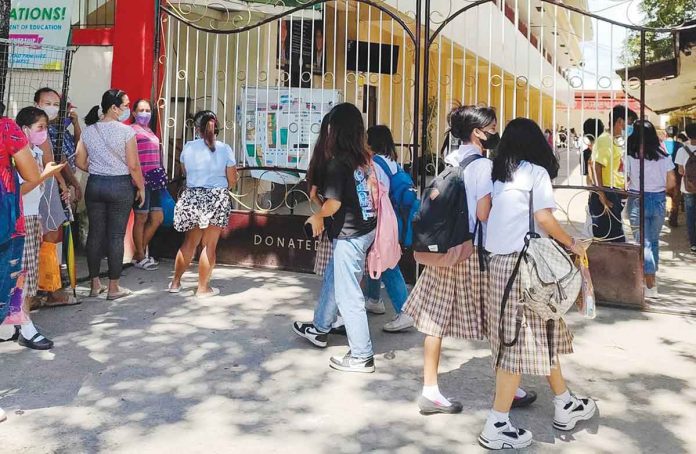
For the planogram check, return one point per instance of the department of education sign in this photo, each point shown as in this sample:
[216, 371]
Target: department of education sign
[38, 23]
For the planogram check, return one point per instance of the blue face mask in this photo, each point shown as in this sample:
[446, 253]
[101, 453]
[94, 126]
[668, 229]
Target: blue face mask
[125, 115]
[629, 130]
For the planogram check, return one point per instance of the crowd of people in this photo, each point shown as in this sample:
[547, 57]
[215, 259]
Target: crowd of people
[506, 195]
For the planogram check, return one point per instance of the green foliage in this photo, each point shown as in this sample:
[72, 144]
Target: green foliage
[658, 14]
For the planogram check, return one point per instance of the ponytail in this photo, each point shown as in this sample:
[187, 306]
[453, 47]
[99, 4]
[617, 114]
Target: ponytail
[206, 123]
[208, 133]
[93, 116]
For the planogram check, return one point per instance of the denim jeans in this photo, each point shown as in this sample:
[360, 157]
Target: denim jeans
[10, 266]
[607, 224]
[655, 207]
[109, 200]
[395, 285]
[341, 291]
[690, 204]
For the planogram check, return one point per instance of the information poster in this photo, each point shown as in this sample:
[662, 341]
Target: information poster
[281, 126]
[39, 22]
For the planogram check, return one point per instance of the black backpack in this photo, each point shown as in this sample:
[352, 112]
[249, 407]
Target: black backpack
[442, 221]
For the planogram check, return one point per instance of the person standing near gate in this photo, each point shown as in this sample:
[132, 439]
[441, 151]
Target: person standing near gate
[109, 153]
[672, 146]
[522, 172]
[348, 200]
[659, 180]
[204, 208]
[607, 158]
[686, 162]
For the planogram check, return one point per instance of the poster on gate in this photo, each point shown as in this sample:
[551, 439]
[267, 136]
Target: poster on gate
[39, 23]
[281, 125]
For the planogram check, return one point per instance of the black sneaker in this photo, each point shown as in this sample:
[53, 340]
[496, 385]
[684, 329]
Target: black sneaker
[311, 333]
[348, 363]
[526, 401]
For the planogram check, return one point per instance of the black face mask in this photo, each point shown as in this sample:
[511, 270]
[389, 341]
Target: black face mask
[492, 140]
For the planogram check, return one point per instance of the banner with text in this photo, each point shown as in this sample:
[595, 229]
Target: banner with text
[39, 23]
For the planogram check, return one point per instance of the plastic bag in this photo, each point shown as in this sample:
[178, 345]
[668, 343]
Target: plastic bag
[49, 268]
[586, 304]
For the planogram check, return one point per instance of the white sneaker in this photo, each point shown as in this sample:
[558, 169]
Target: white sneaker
[3, 415]
[375, 306]
[399, 323]
[502, 435]
[338, 323]
[566, 416]
[651, 292]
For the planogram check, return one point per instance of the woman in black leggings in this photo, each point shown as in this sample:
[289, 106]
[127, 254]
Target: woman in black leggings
[108, 152]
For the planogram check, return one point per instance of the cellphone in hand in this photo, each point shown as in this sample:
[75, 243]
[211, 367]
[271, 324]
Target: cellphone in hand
[308, 231]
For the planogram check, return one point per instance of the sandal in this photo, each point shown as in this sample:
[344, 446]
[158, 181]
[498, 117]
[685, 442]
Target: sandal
[93, 294]
[70, 301]
[122, 293]
[152, 260]
[213, 292]
[171, 289]
[145, 264]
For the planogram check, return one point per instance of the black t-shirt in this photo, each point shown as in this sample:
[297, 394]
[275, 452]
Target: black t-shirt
[357, 215]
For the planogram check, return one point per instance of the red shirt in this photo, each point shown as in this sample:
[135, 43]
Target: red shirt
[12, 140]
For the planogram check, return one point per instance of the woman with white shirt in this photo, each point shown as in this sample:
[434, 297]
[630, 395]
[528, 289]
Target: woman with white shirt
[204, 208]
[451, 301]
[381, 143]
[659, 179]
[523, 167]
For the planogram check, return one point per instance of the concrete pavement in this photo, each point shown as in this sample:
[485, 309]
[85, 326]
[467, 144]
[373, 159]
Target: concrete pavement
[160, 373]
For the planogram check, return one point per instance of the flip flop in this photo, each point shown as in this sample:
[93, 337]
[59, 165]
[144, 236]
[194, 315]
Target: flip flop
[213, 292]
[145, 264]
[173, 290]
[92, 294]
[72, 301]
[123, 292]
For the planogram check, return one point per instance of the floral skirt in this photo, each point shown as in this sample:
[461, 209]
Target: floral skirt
[201, 207]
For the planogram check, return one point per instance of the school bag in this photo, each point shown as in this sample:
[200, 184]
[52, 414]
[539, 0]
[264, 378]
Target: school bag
[404, 199]
[690, 172]
[441, 235]
[10, 209]
[385, 252]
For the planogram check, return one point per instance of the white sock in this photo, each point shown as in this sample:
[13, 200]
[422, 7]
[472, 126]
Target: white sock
[28, 330]
[432, 393]
[563, 398]
[497, 416]
[520, 393]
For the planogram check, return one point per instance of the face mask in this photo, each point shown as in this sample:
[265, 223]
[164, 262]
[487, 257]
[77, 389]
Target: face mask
[124, 115]
[38, 137]
[143, 118]
[51, 111]
[492, 140]
[629, 130]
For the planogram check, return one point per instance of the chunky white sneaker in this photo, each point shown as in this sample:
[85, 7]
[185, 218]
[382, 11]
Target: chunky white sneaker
[502, 435]
[399, 323]
[566, 416]
[375, 306]
[3, 415]
[651, 292]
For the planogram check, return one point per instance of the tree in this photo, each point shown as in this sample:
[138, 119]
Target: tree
[658, 14]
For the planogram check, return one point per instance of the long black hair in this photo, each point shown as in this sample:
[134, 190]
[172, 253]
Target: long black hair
[110, 98]
[522, 141]
[346, 138]
[381, 141]
[30, 115]
[207, 124]
[653, 145]
[320, 155]
[463, 120]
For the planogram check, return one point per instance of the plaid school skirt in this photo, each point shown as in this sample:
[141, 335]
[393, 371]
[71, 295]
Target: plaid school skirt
[451, 301]
[30, 257]
[324, 253]
[530, 355]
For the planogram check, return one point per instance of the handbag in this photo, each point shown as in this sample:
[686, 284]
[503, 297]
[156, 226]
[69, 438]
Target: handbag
[49, 268]
[549, 280]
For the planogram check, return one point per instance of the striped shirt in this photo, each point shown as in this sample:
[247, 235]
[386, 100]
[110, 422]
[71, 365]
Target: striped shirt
[148, 148]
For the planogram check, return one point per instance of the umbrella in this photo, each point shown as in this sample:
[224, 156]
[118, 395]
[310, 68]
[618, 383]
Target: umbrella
[68, 241]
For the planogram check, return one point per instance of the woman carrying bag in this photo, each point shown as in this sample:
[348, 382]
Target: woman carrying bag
[522, 341]
[108, 151]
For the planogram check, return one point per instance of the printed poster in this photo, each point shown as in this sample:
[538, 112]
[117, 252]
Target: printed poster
[45, 22]
[281, 125]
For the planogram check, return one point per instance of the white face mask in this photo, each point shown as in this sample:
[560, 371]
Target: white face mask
[51, 111]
